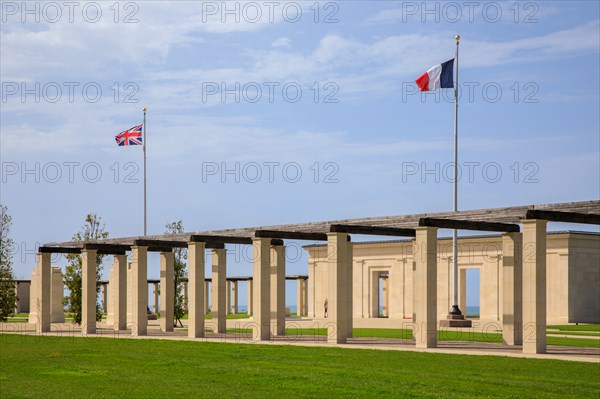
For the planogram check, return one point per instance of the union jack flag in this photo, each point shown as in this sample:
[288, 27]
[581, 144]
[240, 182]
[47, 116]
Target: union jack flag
[131, 136]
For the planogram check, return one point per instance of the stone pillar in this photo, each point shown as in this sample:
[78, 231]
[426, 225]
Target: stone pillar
[234, 297]
[156, 303]
[462, 290]
[534, 286]
[206, 291]
[262, 294]
[278, 288]
[119, 292]
[219, 278]
[312, 306]
[110, 300]
[339, 254]
[33, 294]
[300, 299]
[374, 294]
[105, 289]
[88, 291]
[129, 282]
[512, 290]
[228, 297]
[197, 290]
[185, 296]
[40, 298]
[139, 290]
[167, 291]
[425, 258]
[305, 295]
[57, 311]
[385, 301]
[250, 297]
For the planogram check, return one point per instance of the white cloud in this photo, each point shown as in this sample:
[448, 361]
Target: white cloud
[282, 42]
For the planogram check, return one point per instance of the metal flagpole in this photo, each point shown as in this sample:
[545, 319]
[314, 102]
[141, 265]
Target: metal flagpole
[455, 309]
[144, 145]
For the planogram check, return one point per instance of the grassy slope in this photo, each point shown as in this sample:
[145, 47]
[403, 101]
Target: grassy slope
[98, 367]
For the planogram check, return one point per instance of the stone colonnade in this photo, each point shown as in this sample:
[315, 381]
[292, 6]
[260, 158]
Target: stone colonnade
[523, 272]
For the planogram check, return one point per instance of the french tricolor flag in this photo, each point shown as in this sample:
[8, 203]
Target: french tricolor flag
[440, 76]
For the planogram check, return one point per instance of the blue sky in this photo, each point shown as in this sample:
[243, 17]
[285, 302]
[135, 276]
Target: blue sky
[529, 112]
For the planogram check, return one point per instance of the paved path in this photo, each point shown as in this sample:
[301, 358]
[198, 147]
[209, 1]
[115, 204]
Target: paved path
[448, 347]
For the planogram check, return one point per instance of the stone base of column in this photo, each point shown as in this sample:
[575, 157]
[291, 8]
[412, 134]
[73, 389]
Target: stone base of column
[456, 320]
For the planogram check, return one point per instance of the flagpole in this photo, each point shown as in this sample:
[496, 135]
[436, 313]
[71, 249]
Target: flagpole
[144, 146]
[455, 309]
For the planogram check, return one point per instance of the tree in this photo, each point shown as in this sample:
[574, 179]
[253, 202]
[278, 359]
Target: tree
[8, 297]
[180, 255]
[93, 229]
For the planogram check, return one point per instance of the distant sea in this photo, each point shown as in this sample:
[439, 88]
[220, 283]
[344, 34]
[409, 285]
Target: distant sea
[473, 310]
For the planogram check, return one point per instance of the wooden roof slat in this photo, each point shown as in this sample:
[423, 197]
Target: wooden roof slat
[227, 239]
[58, 250]
[561, 216]
[291, 235]
[372, 230]
[469, 225]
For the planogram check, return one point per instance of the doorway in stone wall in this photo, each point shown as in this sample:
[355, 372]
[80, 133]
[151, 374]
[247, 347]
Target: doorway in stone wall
[472, 293]
[383, 295]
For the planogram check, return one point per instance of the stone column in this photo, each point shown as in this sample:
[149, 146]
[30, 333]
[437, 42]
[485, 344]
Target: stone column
[206, 291]
[534, 286]
[250, 297]
[339, 254]
[185, 296]
[262, 294]
[228, 297]
[234, 297]
[33, 294]
[167, 291]
[129, 282]
[139, 292]
[41, 296]
[219, 278]
[110, 301]
[300, 301]
[512, 290]
[119, 292]
[385, 301]
[57, 311]
[88, 291]
[155, 296]
[104, 296]
[311, 305]
[197, 290]
[462, 290]
[278, 288]
[305, 294]
[425, 258]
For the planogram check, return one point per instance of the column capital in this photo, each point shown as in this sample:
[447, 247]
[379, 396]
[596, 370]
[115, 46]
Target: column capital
[426, 228]
[534, 222]
[196, 245]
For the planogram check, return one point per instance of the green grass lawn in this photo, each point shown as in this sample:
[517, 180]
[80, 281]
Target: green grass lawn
[63, 367]
[572, 327]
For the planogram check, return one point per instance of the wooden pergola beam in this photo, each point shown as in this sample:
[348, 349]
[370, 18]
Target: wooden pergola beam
[291, 235]
[566, 217]
[469, 225]
[228, 240]
[58, 250]
[372, 230]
